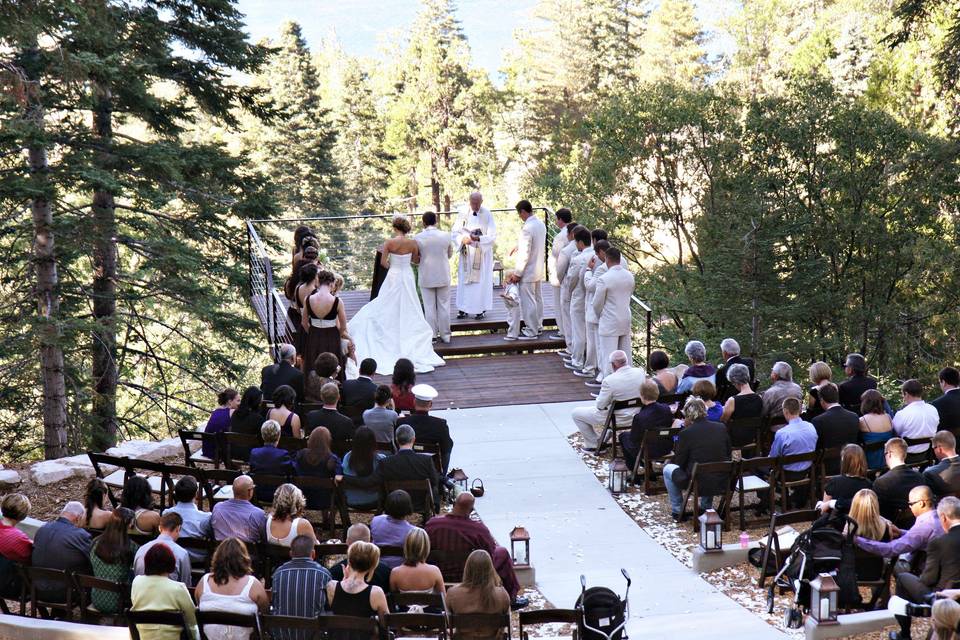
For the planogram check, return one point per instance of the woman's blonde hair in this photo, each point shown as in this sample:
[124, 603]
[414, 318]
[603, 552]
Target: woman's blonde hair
[480, 577]
[416, 547]
[270, 431]
[865, 510]
[945, 618]
[820, 371]
[288, 502]
[337, 283]
[363, 557]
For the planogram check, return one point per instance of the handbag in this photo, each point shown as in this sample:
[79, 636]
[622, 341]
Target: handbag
[477, 491]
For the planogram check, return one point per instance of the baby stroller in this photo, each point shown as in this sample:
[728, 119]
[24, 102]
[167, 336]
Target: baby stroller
[823, 548]
[602, 615]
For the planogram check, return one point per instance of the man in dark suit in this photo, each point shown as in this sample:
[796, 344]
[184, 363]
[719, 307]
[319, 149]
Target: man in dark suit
[340, 426]
[948, 405]
[700, 441]
[944, 477]
[835, 426]
[62, 544]
[358, 394]
[427, 428]
[730, 349]
[942, 568]
[282, 373]
[893, 487]
[407, 464]
[857, 381]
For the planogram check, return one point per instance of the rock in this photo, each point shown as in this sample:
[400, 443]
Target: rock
[146, 450]
[9, 477]
[51, 471]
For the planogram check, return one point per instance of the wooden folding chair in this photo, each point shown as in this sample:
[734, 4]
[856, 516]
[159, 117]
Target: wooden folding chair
[416, 625]
[675, 398]
[922, 460]
[745, 434]
[880, 585]
[610, 426]
[750, 472]
[450, 563]
[783, 484]
[415, 488]
[113, 479]
[400, 602]
[547, 616]
[235, 453]
[205, 617]
[480, 623]
[167, 618]
[84, 584]
[263, 482]
[194, 458]
[699, 473]
[218, 484]
[44, 583]
[336, 506]
[828, 466]
[654, 439]
[773, 546]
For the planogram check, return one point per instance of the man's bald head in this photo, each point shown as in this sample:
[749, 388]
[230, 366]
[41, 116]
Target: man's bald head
[463, 505]
[358, 532]
[922, 492]
[243, 487]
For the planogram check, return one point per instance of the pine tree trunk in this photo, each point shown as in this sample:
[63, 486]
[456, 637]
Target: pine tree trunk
[434, 184]
[104, 346]
[48, 296]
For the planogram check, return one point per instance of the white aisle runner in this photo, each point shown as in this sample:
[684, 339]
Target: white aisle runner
[535, 479]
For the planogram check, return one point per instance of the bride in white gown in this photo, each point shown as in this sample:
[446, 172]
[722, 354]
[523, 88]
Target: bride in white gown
[392, 326]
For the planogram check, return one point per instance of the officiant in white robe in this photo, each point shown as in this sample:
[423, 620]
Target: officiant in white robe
[475, 272]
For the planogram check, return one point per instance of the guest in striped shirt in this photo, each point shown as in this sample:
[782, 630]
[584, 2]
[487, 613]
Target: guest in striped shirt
[299, 586]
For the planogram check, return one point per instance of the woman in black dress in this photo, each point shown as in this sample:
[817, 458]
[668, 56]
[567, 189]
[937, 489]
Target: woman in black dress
[304, 283]
[246, 419]
[327, 324]
[745, 404]
[852, 478]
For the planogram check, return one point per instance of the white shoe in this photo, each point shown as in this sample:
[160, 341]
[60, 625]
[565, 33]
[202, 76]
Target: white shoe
[445, 339]
[527, 338]
[563, 353]
[583, 374]
[509, 338]
[593, 385]
[594, 395]
[570, 365]
[556, 336]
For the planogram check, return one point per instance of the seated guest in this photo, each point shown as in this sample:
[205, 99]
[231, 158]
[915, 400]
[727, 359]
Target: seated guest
[782, 387]
[407, 464]
[237, 517]
[925, 528]
[138, 497]
[916, 419]
[730, 351]
[390, 528]
[945, 615]
[300, 584]
[429, 429]
[479, 592]
[283, 373]
[353, 596]
[701, 440]
[318, 461]
[415, 575]
[458, 532]
[359, 393]
[325, 369]
[796, 437]
[286, 522]
[652, 416]
[111, 558]
[948, 404]
[95, 501]
[839, 491]
[170, 525]
[15, 546]
[269, 460]
[284, 404]
[705, 390]
[893, 487]
[219, 421]
[944, 477]
[155, 591]
[835, 426]
[875, 425]
[61, 544]
[744, 404]
[340, 426]
[196, 523]
[865, 511]
[820, 374]
[942, 567]
[381, 419]
[660, 372]
[404, 377]
[361, 463]
[381, 575]
[622, 384]
[230, 587]
[851, 389]
[699, 368]
[247, 420]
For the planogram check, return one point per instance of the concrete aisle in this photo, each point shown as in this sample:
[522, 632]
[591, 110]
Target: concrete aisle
[535, 479]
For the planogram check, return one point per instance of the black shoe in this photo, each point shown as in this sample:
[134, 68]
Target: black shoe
[896, 635]
[519, 603]
[675, 516]
[461, 315]
[480, 315]
[599, 449]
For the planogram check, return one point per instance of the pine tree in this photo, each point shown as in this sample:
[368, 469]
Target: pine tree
[673, 45]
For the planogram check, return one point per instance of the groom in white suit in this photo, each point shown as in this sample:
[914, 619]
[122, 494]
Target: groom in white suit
[531, 248]
[611, 302]
[436, 249]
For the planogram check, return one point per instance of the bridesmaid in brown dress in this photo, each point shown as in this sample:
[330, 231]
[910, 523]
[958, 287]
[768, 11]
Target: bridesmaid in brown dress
[326, 324]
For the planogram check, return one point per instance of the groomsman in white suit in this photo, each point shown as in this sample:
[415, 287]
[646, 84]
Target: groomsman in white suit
[531, 247]
[563, 218]
[577, 345]
[436, 249]
[477, 233]
[595, 268]
[611, 302]
[563, 266]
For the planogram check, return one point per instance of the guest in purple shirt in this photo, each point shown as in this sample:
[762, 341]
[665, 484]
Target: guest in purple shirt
[391, 528]
[926, 528]
[219, 420]
[237, 517]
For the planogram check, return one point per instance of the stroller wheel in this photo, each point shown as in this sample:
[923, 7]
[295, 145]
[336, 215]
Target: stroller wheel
[792, 618]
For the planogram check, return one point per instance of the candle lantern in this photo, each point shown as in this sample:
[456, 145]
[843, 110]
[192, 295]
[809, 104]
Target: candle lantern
[520, 546]
[617, 480]
[711, 532]
[823, 599]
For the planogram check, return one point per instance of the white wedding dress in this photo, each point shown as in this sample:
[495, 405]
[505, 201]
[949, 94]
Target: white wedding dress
[392, 326]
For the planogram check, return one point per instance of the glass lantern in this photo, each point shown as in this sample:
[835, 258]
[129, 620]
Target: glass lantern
[823, 599]
[520, 546]
[711, 532]
[617, 480]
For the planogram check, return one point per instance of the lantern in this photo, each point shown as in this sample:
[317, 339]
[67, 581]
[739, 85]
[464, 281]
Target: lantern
[459, 479]
[823, 599]
[520, 546]
[617, 481]
[711, 532]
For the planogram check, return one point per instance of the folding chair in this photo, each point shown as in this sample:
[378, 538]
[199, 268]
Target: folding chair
[922, 460]
[52, 582]
[771, 424]
[450, 563]
[272, 556]
[353, 412]
[415, 488]
[113, 479]
[610, 426]
[218, 484]
[263, 482]
[778, 520]
[745, 434]
[433, 449]
[173, 472]
[236, 448]
[748, 481]
[84, 584]
[828, 466]
[349, 483]
[226, 619]
[337, 505]
[416, 625]
[547, 616]
[781, 478]
[399, 602]
[168, 618]
[864, 561]
[675, 398]
[654, 439]
[480, 623]
[194, 458]
[200, 547]
[710, 471]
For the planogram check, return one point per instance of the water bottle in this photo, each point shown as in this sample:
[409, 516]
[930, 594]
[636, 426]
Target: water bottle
[744, 540]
